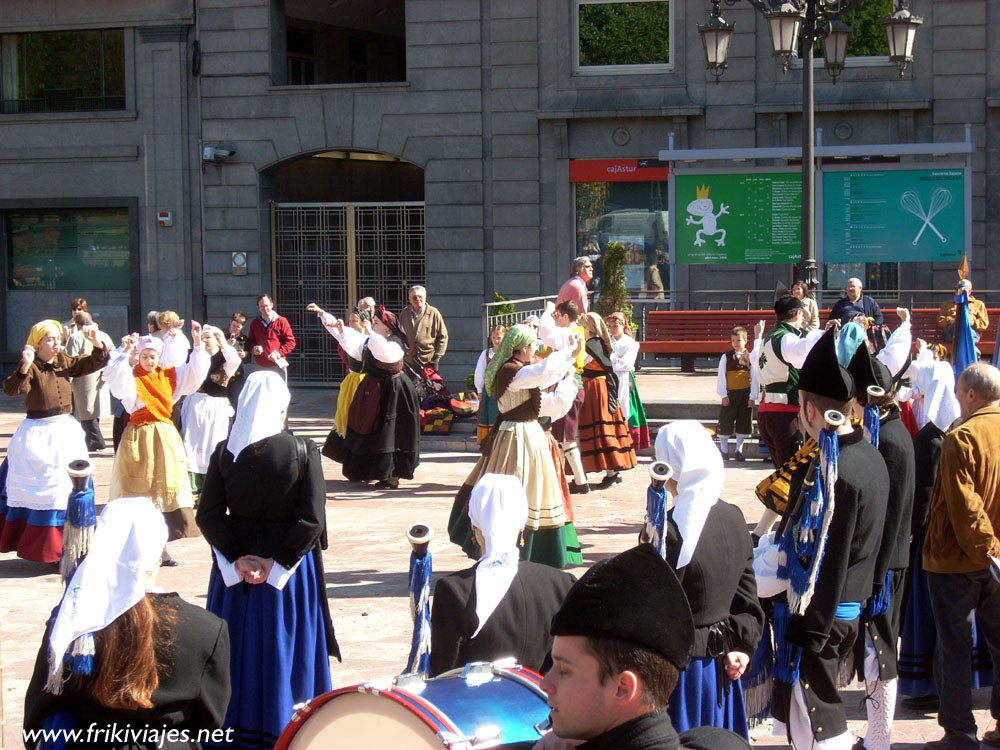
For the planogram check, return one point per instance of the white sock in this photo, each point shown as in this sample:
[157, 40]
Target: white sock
[880, 705]
[739, 442]
[610, 473]
[724, 444]
[572, 455]
[766, 522]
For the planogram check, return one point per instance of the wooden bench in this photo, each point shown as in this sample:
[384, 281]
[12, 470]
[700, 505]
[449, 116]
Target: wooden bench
[689, 334]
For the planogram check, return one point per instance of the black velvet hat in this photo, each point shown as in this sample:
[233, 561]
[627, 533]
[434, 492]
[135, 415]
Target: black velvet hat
[822, 374]
[866, 371]
[785, 305]
[635, 597]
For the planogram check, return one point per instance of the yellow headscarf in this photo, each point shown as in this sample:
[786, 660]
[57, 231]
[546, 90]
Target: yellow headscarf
[42, 329]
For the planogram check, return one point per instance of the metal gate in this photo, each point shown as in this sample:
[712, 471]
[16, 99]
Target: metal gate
[334, 254]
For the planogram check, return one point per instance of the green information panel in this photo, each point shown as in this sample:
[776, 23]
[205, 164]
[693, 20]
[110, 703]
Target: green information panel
[895, 215]
[753, 217]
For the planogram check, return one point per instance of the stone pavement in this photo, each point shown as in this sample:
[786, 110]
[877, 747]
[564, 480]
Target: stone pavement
[366, 564]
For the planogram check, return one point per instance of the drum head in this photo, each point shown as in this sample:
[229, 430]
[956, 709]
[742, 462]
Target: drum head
[362, 721]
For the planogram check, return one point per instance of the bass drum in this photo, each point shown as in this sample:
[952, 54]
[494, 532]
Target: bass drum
[480, 705]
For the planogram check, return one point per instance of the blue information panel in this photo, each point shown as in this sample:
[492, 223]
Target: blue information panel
[894, 215]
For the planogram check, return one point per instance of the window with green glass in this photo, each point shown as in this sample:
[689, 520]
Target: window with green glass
[623, 33]
[79, 248]
[63, 71]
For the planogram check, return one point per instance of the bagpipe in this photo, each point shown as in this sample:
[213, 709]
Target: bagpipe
[656, 507]
[419, 536]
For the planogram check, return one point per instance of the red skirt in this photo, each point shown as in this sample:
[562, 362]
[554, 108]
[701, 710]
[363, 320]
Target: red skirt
[605, 442]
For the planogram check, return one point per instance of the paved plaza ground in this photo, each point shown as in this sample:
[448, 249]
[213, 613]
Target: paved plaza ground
[366, 564]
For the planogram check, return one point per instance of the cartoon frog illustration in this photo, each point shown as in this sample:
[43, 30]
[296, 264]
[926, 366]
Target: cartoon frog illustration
[702, 206]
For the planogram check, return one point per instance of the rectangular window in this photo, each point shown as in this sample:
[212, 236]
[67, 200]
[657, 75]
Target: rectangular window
[63, 71]
[635, 215]
[77, 248]
[622, 36]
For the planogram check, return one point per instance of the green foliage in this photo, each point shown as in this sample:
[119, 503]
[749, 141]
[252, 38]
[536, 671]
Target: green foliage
[591, 201]
[501, 309]
[868, 36]
[470, 381]
[614, 295]
[633, 33]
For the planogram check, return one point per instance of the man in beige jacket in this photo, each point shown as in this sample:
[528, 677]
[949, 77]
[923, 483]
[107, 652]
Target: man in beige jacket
[425, 330]
[962, 555]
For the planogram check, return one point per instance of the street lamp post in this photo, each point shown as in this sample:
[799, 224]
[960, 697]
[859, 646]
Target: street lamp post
[808, 20]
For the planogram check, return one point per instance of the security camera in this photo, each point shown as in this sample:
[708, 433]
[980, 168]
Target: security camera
[216, 155]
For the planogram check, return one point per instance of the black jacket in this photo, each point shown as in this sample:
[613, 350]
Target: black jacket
[927, 457]
[193, 692]
[848, 566]
[896, 447]
[719, 580]
[518, 627]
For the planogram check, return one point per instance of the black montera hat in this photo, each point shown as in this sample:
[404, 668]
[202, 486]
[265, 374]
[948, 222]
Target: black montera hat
[866, 371]
[785, 305]
[822, 374]
[635, 597]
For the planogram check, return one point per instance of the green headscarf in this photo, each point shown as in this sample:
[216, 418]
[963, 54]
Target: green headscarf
[517, 337]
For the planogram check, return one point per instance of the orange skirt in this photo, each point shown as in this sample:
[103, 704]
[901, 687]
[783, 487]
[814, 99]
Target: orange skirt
[604, 439]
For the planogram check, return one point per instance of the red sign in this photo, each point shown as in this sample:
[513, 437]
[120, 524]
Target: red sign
[617, 170]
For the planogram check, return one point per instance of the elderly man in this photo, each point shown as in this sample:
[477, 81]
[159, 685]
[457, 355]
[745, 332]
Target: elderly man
[425, 331]
[575, 288]
[271, 339]
[854, 304]
[978, 318]
[961, 552]
[91, 397]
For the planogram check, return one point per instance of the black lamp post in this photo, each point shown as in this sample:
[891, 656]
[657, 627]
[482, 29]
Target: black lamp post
[808, 20]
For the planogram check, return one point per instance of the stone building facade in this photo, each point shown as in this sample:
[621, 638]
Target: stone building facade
[426, 141]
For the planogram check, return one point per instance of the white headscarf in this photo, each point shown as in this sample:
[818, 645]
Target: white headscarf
[687, 448]
[258, 413]
[936, 383]
[498, 508]
[111, 579]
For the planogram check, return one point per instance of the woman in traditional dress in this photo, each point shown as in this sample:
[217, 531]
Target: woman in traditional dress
[517, 445]
[604, 439]
[499, 607]
[487, 404]
[382, 440]
[263, 510]
[158, 661]
[206, 414]
[33, 476]
[150, 461]
[708, 545]
[625, 349]
[334, 447]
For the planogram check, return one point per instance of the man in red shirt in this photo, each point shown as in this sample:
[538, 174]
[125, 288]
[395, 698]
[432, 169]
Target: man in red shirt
[270, 338]
[575, 288]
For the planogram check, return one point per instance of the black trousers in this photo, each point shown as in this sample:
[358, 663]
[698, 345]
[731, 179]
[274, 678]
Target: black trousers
[92, 434]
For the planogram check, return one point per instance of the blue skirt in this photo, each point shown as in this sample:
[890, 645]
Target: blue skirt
[278, 649]
[694, 702]
[919, 637]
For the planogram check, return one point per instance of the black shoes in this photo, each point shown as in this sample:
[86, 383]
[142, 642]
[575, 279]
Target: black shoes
[385, 484]
[608, 481]
[579, 489]
[738, 456]
[927, 703]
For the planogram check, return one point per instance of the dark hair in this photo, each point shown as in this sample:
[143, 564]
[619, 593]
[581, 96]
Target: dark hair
[239, 317]
[824, 403]
[738, 331]
[659, 676]
[790, 315]
[806, 293]
[83, 319]
[130, 655]
[569, 309]
[268, 296]
[78, 302]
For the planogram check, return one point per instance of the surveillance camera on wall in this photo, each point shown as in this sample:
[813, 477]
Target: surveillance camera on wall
[215, 155]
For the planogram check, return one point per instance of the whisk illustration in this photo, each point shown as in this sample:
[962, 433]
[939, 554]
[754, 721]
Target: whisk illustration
[940, 199]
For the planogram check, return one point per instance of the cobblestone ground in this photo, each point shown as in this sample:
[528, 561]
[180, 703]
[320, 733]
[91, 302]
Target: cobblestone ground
[366, 564]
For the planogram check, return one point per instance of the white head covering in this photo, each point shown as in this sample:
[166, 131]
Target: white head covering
[499, 508]
[687, 448]
[385, 351]
[206, 328]
[111, 579]
[936, 382]
[150, 342]
[258, 412]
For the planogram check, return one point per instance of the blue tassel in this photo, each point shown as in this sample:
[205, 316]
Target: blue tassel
[656, 513]
[872, 424]
[421, 569]
[787, 656]
[81, 655]
[879, 603]
[81, 511]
